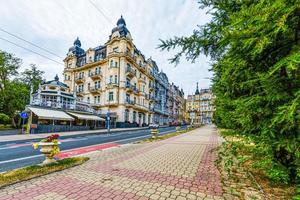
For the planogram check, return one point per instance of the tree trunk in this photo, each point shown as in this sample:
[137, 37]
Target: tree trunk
[13, 122]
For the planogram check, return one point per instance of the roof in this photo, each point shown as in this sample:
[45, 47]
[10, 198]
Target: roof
[50, 114]
[55, 82]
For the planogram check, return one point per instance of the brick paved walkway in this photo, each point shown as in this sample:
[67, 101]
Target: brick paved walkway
[181, 167]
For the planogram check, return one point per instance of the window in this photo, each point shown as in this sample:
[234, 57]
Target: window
[97, 84]
[69, 77]
[111, 63]
[90, 73]
[88, 99]
[97, 70]
[110, 79]
[89, 86]
[116, 49]
[134, 100]
[98, 99]
[134, 116]
[116, 78]
[128, 98]
[111, 96]
[126, 115]
[65, 76]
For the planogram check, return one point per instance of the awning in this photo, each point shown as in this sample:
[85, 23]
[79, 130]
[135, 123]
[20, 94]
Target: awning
[50, 114]
[86, 116]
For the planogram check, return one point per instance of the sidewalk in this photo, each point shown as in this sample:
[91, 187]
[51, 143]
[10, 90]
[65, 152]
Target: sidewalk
[19, 137]
[181, 167]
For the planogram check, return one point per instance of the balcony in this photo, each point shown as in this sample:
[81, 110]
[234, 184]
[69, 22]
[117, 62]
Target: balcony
[142, 93]
[130, 72]
[79, 79]
[151, 86]
[142, 67]
[80, 93]
[141, 107]
[112, 103]
[135, 90]
[95, 90]
[96, 75]
[112, 85]
[129, 87]
[141, 80]
[129, 103]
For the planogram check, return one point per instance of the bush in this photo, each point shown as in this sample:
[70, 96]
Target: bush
[4, 119]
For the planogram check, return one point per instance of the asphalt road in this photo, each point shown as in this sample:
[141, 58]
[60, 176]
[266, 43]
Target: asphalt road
[21, 154]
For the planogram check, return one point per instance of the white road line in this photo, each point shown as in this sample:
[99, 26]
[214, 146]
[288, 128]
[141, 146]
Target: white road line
[35, 156]
[17, 159]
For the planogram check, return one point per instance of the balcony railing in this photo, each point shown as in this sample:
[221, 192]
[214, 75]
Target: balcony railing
[79, 79]
[96, 75]
[64, 106]
[95, 89]
[130, 72]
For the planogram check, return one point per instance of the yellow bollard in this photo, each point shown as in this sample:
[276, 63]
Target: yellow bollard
[154, 132]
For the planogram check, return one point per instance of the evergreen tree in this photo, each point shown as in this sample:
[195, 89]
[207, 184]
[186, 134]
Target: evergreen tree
[254, 45]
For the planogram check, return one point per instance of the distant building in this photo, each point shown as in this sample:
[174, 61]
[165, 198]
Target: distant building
[199, 107]
[54, 108]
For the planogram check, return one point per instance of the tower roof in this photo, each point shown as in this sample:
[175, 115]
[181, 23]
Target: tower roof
[121, 22]
[197, 90]
[77, 42]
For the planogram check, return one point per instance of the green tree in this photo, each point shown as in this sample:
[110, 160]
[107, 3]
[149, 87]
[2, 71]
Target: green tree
[9, 65]
[16, 97]
[32, 77]
[255, 50]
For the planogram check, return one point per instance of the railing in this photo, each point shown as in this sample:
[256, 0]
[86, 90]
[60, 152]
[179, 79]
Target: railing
[98, 73]
[64, 106]
[79, 78]
[128, 101]
[130, 71]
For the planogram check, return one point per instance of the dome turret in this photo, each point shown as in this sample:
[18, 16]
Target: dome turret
[56, 78]
[121, 22]
[77, 42]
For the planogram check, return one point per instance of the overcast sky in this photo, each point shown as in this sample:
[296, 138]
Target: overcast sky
[54, 25]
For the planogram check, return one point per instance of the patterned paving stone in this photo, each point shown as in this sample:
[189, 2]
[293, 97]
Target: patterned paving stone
[181, 167]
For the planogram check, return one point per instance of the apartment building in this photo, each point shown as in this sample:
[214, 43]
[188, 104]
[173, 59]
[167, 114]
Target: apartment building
[199, 107]
[116, 78]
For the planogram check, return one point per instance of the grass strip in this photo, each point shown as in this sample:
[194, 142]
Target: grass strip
[34, 171]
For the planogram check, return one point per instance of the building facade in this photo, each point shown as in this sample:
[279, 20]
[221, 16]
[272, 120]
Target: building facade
[161, 86]
[54, 108]
[176, 104]
[116, 78]
[199, 107]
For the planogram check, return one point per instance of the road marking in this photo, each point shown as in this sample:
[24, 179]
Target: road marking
[35, 156]
[18, 159]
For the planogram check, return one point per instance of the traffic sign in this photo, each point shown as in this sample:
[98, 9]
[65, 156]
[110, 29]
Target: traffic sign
[23, 115]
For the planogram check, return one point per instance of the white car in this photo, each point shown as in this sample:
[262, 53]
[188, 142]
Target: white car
[153, 125]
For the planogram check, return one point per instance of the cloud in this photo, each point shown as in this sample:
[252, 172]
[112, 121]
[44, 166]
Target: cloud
[54, 24]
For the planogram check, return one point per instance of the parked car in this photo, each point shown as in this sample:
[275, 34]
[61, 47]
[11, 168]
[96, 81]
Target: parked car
[153, 125]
